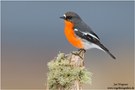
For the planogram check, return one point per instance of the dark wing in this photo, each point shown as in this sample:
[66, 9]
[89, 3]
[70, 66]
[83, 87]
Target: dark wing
[93, 38]
[82, 27]
[87, 36]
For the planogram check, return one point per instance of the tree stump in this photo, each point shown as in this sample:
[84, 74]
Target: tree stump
[77, 60]
[67, 72]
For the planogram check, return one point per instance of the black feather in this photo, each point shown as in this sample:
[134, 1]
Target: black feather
[106, 50]
[93, 40]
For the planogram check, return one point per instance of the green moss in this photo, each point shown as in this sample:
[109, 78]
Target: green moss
[62, 74]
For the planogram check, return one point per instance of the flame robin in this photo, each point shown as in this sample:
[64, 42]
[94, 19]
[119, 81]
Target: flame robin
[80, 35]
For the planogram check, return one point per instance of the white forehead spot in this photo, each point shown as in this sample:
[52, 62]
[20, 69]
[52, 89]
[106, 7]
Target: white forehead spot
[64, 15]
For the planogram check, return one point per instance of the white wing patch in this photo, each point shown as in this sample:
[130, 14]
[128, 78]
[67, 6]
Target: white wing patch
[93, 36]
[86, 33]
[76, 29]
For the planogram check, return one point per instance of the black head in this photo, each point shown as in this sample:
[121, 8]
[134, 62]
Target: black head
[71, 16]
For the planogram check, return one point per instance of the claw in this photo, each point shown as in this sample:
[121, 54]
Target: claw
[80, 51]
[77, 54]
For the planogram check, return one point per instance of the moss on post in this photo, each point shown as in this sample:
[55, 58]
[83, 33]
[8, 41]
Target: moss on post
[67, 72]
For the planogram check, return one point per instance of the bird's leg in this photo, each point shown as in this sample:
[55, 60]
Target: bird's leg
[79, 53]
[81, 50]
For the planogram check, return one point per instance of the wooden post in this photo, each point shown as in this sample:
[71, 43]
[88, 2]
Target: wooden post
[77, 60]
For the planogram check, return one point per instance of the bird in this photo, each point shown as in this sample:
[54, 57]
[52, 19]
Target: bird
[80, 35]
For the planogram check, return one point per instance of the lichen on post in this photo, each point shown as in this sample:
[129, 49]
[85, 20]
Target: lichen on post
[67, 72]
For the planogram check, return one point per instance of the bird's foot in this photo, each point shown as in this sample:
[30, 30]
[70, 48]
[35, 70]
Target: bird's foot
[81, 50]
[79, 53]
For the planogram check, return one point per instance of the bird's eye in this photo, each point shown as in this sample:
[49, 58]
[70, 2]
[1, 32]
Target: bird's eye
[69, 17]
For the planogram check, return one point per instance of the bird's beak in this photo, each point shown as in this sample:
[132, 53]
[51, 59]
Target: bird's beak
[62, 17]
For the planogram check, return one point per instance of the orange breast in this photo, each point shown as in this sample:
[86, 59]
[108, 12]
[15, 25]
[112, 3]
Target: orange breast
[70, 35]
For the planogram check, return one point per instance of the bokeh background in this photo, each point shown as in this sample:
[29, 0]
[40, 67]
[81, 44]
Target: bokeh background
[32, 35]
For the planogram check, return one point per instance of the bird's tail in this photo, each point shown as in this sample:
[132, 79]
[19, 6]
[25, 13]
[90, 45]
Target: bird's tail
[106, 50]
